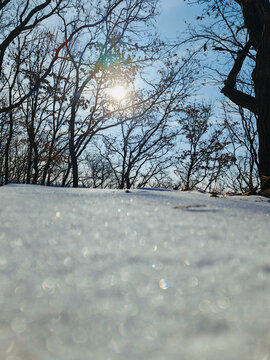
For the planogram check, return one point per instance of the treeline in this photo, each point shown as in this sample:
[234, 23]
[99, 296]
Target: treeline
[60, 123]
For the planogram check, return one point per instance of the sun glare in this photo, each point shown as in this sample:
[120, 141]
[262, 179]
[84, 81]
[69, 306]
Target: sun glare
[118, 92]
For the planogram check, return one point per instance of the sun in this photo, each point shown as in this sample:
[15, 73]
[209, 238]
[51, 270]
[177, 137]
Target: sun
[118, 92]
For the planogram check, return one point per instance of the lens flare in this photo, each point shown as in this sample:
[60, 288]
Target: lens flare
[163, 284]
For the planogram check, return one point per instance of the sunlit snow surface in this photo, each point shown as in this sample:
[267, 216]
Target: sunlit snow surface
[103, 275]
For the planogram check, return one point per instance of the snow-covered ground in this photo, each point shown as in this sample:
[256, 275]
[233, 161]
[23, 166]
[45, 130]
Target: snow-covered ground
[145, 275]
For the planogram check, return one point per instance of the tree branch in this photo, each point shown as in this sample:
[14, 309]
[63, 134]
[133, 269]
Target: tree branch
[56, 56]
[238, 97]
[3, 4]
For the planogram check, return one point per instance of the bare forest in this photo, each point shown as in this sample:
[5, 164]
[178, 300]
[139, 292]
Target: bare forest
[91, 95]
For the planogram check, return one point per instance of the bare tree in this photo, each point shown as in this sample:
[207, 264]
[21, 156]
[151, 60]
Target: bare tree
[241, 29]
[55, 89]
[101, 32]
[97, 171]
[39, 126]
[102, 54]
[139, 152]
[143, 147]
[29, 15]
[242, 132]
[202, 158]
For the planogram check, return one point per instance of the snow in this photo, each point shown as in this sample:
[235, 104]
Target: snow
[145, 275]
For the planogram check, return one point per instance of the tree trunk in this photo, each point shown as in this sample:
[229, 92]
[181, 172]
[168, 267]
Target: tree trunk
[29, 165]
[256, 16]
[10, 135]
[65, 177]
[35, 164]
[261, 78]
[48, 163]
[74, 162]
[72, 150]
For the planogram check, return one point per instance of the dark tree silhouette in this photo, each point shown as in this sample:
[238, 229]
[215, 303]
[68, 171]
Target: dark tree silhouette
[247, 37]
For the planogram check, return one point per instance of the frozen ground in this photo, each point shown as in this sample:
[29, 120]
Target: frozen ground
[146, 275]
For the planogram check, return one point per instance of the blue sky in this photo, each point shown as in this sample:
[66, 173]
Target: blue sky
[171, 23]
[174, 13]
